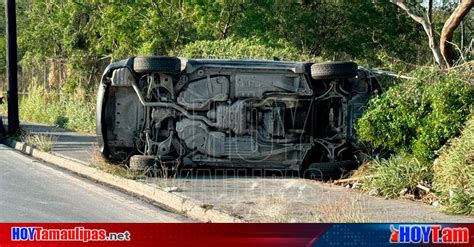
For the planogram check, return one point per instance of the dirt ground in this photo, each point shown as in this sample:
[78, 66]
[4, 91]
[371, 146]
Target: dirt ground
[263, 199]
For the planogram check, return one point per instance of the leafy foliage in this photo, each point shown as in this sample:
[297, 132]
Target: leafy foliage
[418, 116]
[245, 48]
[83, 33]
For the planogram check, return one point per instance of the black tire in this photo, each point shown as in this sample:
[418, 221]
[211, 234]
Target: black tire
[322, 171]
[333, 70]
[171, 65]
[141, 162]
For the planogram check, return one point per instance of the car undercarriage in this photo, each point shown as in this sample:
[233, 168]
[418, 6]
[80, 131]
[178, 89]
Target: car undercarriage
[232, 113]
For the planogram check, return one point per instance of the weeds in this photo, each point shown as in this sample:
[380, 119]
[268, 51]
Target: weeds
[73, 111]
[164, 176]
[43, 142]
[397, 176]
[277, 209]
[454, 172]
[341, 210]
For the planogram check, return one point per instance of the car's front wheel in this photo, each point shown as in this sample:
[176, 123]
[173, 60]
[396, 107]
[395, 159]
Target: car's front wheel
[151, 64]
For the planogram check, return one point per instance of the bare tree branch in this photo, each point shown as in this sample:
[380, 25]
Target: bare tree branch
[425, 21]
[409, 11]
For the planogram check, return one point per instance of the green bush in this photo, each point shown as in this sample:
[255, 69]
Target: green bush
[245, 49]
[73, 111]
[454, 172]
[397, 175]
[418, 116]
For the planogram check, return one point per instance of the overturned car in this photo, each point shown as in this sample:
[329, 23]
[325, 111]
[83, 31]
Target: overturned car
[231, 113]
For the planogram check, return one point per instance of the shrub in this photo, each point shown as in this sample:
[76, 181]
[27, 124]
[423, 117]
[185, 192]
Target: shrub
[245, 48]
[454, 172]
[418, 116]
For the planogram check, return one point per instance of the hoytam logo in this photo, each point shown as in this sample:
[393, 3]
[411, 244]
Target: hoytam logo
[429, 234]
[75, 234]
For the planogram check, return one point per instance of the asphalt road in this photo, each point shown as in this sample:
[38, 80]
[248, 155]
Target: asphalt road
[34, 192]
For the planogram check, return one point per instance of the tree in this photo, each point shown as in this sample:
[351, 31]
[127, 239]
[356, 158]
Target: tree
[333, 29]
[450, 25]
[426, 21]
[442, 51]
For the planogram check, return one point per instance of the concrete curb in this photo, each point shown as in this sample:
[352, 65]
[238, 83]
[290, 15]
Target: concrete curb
[189, 207]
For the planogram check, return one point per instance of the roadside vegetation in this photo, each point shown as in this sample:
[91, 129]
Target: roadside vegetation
[414, 130]
[342, 209]
[419, 116]
[246, 48]
[120, 170]
[453, 172]
[43, 142]
[75, 111]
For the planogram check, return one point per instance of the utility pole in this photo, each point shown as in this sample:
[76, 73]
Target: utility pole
[13, 114]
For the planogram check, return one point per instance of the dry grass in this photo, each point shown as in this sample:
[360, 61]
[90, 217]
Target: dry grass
[341, 210]
[276, 209]
[163, 171]
[165, 177]
[284, 210]
[400, 175]
[43, 142]
[366, 169]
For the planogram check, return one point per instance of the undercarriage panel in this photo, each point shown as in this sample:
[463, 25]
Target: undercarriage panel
[233, 113]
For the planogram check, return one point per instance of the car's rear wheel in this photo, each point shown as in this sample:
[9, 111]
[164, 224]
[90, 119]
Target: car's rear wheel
[150, 64]
[142, 162]
[322, 171]
[333, 70]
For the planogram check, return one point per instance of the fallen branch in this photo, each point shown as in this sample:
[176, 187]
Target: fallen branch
[388, 73]
[422, 187]
[470, 63]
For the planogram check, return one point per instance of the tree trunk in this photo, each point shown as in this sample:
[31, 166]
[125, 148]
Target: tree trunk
[448, 29]
[434, 46]
[425, 21]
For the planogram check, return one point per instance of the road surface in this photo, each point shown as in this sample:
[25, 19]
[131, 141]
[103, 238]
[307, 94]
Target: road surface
[254, 198]
[34, 192]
